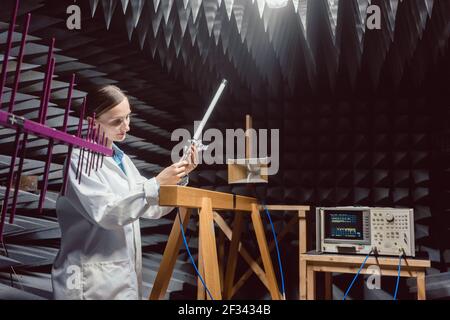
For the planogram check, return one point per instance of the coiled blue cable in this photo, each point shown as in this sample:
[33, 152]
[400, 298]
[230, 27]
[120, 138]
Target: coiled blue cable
[190, 255]
[278, 250]
[356, 276]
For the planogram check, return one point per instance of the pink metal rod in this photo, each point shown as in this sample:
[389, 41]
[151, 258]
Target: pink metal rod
[19, 64]
[47, 72]
[96, 135]
[81, 159]
[80, 122]
[94, 138]
[48, 162]
[51, 143]
[18, 175]
[66, 171]
[40, 130]
[8, 49]
[70, 149]
[80, 127]
[78, 165]
[69, 103]
[92, 125]
[88, 138]
[11, 109]
[9, 182]
[97, 141]
[106, 145]
[47, 94]
[102, 141]
[93, 153]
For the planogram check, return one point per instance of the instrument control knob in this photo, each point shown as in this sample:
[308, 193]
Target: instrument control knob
[389, 217]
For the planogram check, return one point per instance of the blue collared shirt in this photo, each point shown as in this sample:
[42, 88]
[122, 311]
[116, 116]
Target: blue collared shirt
[118, 156]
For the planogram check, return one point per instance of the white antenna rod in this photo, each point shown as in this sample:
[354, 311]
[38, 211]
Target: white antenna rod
[195, 141]
[199, 130]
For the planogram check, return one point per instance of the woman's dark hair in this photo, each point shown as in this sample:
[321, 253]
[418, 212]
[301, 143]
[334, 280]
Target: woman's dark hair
[103, 98]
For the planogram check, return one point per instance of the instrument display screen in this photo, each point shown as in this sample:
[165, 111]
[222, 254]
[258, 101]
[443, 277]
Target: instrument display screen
[346, 225]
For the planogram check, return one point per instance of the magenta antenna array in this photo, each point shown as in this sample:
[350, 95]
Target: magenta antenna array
[94, 142]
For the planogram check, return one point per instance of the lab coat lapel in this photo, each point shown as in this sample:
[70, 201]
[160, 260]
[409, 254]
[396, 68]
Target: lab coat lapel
[109, 161]
[132, 180]
[136, 225]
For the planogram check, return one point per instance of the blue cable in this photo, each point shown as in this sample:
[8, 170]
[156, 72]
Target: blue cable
[190, 256]
[278, 251]
[356, 276]
[398, 276]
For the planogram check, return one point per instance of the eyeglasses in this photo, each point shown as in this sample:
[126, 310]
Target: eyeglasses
[117, 123]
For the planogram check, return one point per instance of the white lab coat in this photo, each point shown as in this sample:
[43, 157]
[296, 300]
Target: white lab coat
[100, 254]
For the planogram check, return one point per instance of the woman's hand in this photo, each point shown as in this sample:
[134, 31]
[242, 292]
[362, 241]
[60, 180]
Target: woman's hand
[192, 161]
[173, 174]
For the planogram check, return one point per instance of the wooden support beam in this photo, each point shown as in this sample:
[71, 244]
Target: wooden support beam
[265, 253]
[201, 292]
[249, 271]
[170, 256]
[235, 248]
[209, 250]
[180, 196]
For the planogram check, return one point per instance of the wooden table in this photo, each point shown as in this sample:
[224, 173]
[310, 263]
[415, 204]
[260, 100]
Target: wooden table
[220, 280]
[209, 202]
[313, 262]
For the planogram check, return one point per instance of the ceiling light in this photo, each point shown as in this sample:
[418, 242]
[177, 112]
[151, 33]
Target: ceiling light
[274, 4]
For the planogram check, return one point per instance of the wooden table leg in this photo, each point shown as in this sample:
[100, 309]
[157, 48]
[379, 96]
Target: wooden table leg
[209, 250]
[303, 279]
[265, 253]
[301, 250]
[233, 255]
[421, 287]
[170, 256]
[221, 256]
[201, 292]
[328, 286]
[311, 283]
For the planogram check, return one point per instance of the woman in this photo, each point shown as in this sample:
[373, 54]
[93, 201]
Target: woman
[100, 253]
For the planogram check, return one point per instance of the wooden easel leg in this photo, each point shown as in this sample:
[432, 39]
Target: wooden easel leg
[233, 255]
[170, 256]
[265, 253]
[221, 253]
[201, 292]
[209, 250]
